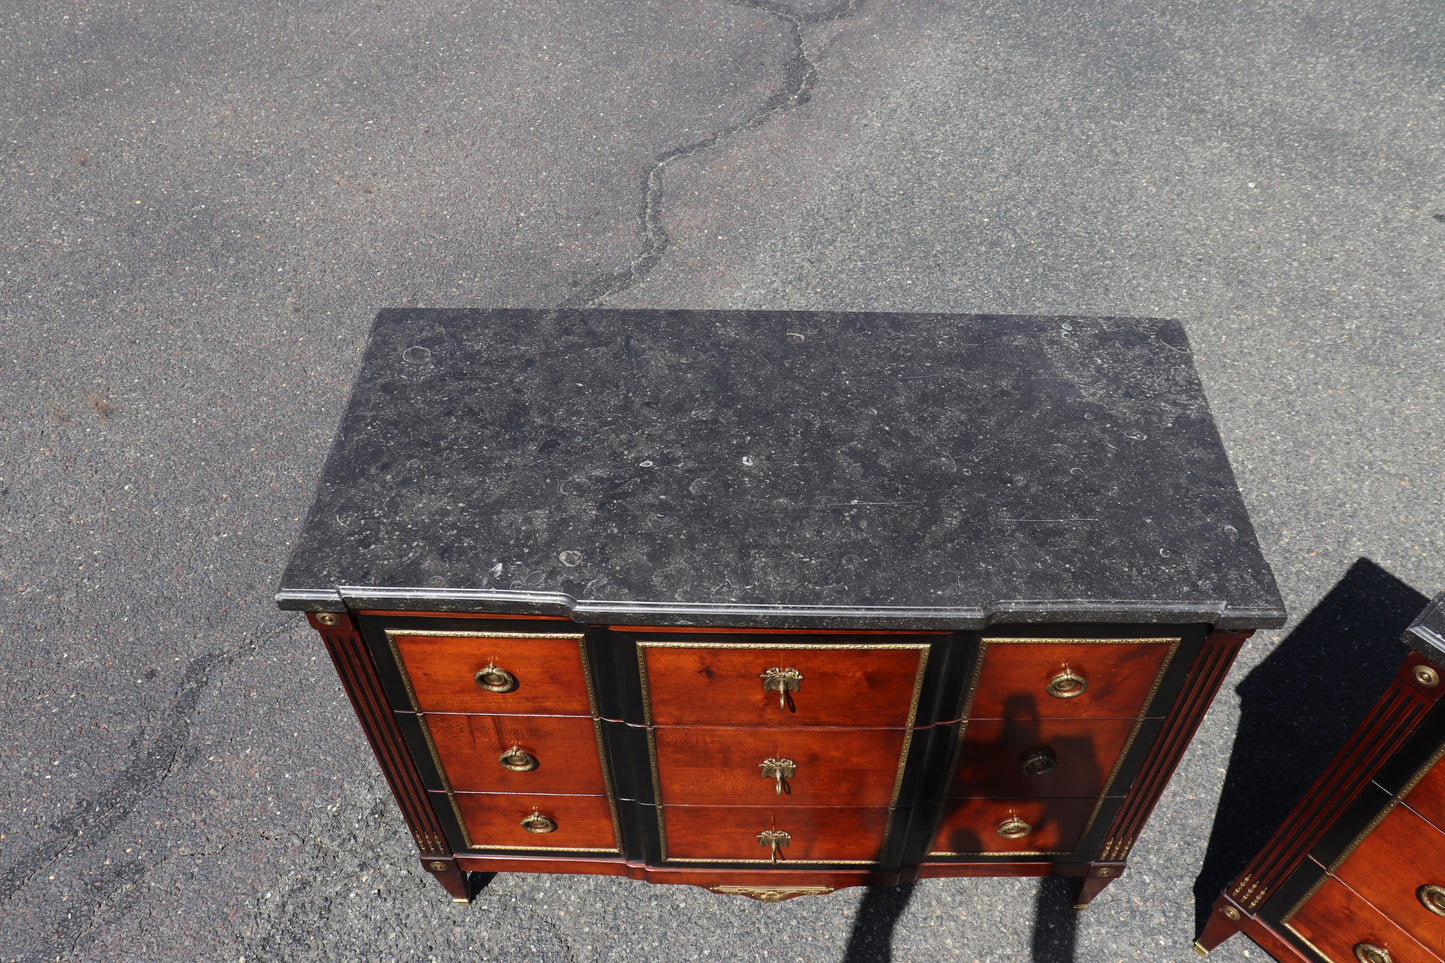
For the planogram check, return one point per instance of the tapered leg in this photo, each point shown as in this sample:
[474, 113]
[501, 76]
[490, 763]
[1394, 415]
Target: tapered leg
[1223, 923]
[455, 880]
[1085, 888]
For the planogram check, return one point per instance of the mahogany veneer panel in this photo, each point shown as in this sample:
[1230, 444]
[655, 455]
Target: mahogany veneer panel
[1335, 921]
[819, 834]
[1015, 677]
[866, 684]
[1401, 854]
[970, 826]
[1428, 796]
[494, 821]
[839, 767]
[1085, 753]
[442, 671]
[565, 747]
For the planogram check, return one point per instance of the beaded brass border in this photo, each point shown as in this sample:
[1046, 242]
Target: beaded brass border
[421, 718]
[923, 649]
[983, 645]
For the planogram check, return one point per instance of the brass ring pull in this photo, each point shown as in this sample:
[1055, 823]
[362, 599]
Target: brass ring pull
[779, 769]
[774, 839]
[518, 759]
[1432, 897]
[1037, 762]
[539, 824]
[495, 679]
[1014, 828]
[1067, 684]
[1370, 953]
[782, 681]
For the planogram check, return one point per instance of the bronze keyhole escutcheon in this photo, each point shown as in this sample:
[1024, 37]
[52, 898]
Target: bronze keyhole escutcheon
[782, 681]
[779, 769]
[775, 840]
[1039, 761]
[538, 823]
[1014, 828]
[518, 759]
[1066, 684]
[495, 679]
[1370, 953]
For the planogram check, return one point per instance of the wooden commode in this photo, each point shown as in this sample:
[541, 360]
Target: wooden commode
[777, 603]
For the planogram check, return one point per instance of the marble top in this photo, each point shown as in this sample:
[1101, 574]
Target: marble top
[784, 469]
[1426, 634]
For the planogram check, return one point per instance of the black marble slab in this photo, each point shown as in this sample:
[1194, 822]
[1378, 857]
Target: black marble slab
[1426, 634]
[781, 469]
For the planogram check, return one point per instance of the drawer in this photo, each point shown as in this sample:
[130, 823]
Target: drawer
[1039, 757]
[738, 834]
[1392, 868]
[840, 767]
[1428, 796]
[496, 821]
[546, 754]
[1073, 678]
[725, 683]
[493, 673]
[1012, 826]
[1336, 921]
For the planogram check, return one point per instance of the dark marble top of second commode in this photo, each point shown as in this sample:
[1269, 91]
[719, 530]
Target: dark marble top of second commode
[785, 469]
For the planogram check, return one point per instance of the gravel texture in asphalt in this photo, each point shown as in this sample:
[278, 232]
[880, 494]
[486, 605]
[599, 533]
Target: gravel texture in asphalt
[203, 205]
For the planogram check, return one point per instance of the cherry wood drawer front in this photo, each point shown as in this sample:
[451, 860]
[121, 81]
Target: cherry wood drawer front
[495, 821]
[546, 754]
[815, 834]
[1012, 826]
[449, 672]
[836, 685]
[1335, 921]
[839, 767]
[1428, 796]
[1039, 757]
[1399, 857]
[1038, 678]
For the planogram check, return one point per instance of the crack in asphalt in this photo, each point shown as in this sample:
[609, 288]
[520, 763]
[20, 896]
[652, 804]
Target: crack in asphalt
[94, 819]
[99, 814]
[799, 77]
[124, 876]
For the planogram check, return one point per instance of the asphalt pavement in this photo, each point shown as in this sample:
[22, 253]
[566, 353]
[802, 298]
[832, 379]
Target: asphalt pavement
[203, 205]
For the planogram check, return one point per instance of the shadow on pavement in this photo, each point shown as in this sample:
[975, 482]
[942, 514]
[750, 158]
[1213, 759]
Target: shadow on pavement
[872, 938]
[1297, 707]
[1055, 923]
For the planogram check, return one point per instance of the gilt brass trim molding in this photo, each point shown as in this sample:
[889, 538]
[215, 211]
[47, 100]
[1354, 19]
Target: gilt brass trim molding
[771, 894]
